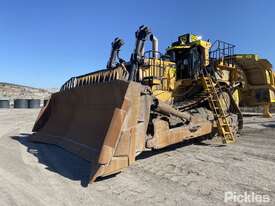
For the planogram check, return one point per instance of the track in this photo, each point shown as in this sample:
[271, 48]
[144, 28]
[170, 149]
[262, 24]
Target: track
[184, 174]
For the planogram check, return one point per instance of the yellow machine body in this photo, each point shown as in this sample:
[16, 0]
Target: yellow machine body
[259, 82]
[110, 116]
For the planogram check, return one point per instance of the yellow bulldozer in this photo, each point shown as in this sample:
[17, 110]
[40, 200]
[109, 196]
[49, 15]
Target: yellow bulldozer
[154, 100]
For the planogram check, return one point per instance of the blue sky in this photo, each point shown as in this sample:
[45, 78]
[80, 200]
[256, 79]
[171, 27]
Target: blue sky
[43, 43]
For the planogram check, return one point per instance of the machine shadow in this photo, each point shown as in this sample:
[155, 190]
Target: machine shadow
[252, 115]
[69, 165]
[58, 160]
[269, 125]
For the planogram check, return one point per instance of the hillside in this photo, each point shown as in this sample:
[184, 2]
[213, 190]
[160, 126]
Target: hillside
[14, 91]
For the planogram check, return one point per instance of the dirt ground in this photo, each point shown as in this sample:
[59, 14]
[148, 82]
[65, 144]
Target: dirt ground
[185, 174]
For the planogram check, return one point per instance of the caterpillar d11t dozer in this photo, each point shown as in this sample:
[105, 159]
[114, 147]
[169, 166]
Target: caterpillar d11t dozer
[152, 101]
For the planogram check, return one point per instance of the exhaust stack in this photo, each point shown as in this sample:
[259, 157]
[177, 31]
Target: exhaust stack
[155, 45]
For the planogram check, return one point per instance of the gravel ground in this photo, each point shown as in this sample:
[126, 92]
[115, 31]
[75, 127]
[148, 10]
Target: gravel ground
[184, 174]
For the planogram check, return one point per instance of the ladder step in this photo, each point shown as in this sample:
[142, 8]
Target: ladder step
[224, 124]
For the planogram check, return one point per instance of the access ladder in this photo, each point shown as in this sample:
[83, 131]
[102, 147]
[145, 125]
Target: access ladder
[223, 125]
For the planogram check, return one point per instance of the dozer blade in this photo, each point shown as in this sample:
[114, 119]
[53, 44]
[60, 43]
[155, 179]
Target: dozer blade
[103, 123]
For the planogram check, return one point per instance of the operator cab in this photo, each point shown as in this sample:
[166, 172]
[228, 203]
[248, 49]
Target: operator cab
[191, 54]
